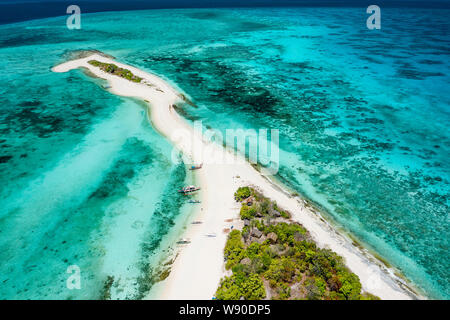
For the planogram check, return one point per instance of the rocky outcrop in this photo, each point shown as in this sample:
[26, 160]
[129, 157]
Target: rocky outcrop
[274, 213]
[256, 233]
[300, 237]
[261, 240]
[272, 237]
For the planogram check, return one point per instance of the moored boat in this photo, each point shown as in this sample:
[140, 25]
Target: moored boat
[196, 167]
[189, 189]
[184, 241]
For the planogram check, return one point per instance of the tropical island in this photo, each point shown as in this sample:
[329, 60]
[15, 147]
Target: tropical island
[351, 158]
[273, 257]
[115, 70]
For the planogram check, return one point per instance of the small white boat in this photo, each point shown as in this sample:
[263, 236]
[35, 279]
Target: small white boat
[196, 167]
[189, 189]
[183, 241]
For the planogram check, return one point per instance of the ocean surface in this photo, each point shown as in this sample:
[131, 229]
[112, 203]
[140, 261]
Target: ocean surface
[363, 117]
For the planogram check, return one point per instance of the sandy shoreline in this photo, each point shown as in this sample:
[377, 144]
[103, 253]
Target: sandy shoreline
[199, 266]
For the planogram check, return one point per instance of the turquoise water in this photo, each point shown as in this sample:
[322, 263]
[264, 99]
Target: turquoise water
[86, 181]
[363, 118]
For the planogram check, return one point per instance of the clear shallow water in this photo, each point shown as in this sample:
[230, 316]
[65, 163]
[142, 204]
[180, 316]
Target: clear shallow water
[363, 118]
[85, 181]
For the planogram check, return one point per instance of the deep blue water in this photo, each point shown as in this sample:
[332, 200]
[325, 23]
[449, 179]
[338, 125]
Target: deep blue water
[21, 10]
[363, 118]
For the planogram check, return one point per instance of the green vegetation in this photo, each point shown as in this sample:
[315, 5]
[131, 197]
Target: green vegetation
[106, 291]
[242, 193]
[234, 249]
[254, 205]
[163, 276]
[275, 258]
[241, 285]
[113, 69]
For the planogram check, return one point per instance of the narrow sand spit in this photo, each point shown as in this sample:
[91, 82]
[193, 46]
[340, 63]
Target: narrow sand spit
[199, 266]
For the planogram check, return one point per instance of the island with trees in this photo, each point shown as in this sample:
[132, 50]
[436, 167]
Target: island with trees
[115, 70]
[273, 257]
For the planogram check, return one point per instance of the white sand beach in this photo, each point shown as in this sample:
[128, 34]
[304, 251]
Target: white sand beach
[199, 266]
